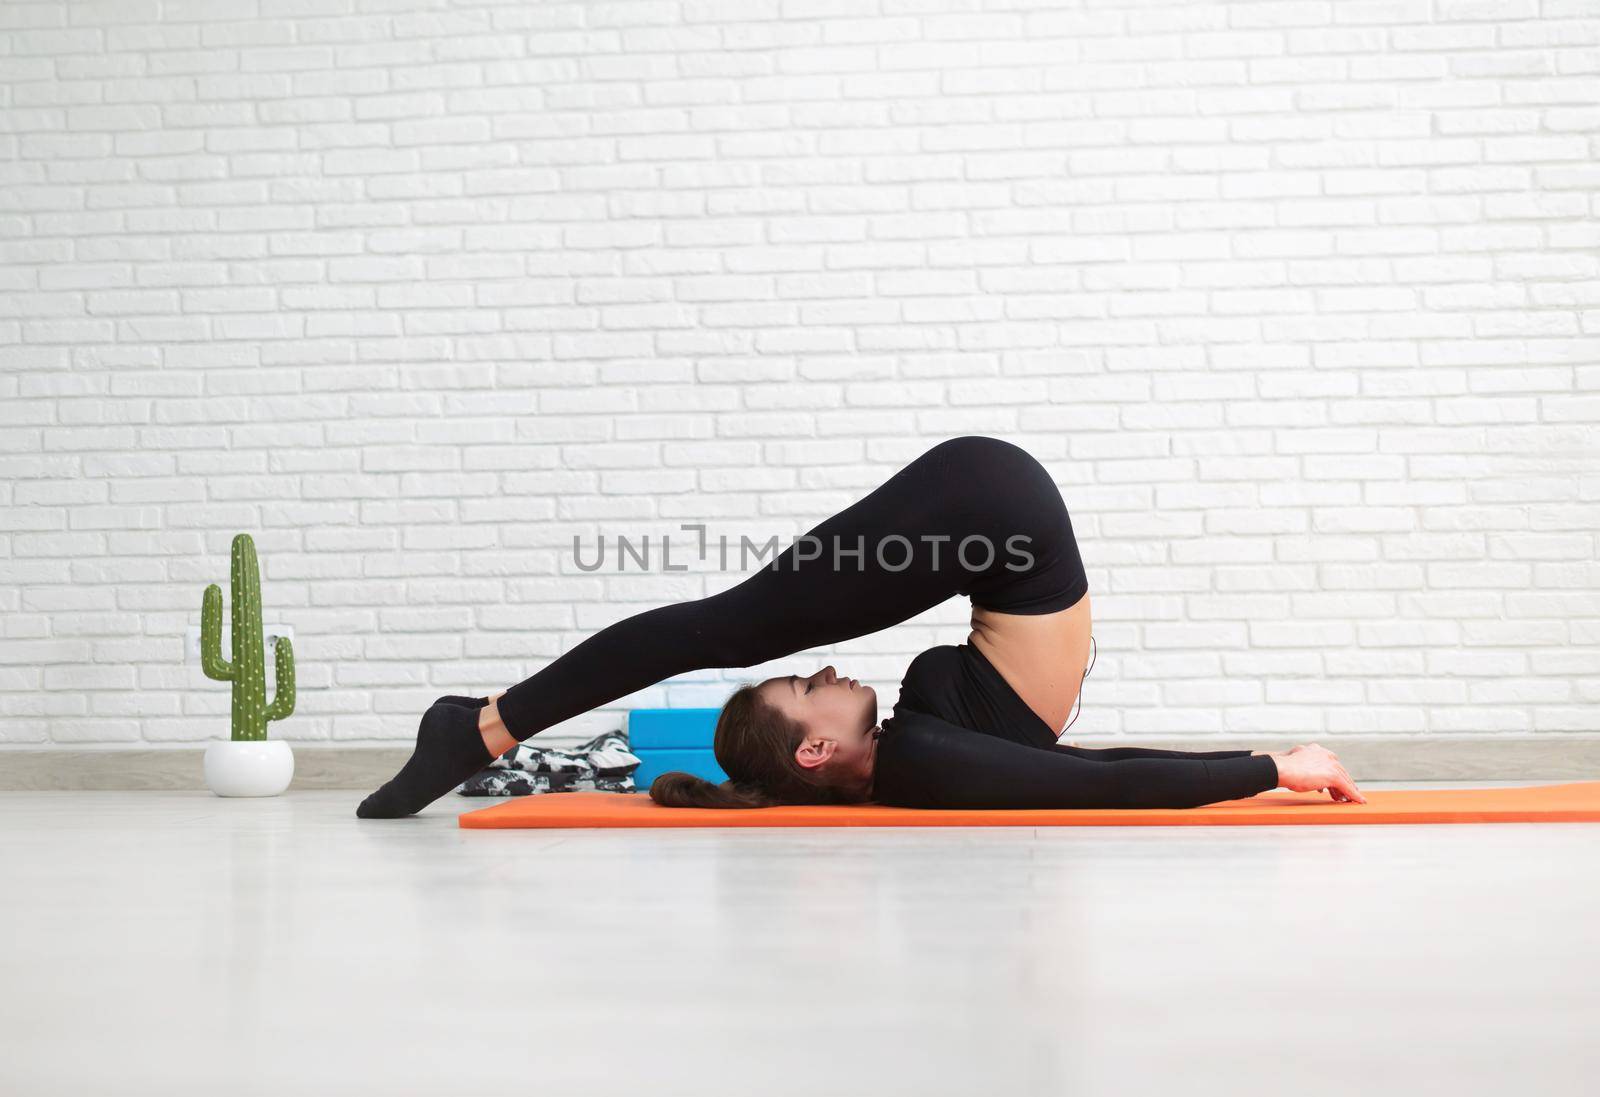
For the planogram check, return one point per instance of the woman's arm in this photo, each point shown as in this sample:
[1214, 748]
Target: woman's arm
[1120, 754]
[1300, 769]
[931, 763]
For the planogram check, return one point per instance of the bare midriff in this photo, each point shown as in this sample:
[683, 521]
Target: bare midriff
[1041, 655]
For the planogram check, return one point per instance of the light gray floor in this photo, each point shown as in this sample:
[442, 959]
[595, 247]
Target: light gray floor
[176, 943]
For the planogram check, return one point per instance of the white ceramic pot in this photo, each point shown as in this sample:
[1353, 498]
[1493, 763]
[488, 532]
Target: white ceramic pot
[261, 767]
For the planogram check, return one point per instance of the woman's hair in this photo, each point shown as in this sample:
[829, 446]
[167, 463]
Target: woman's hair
[754, 743]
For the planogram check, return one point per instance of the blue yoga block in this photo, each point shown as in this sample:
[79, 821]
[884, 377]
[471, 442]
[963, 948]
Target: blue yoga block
[653, 763]
[665, 739]
[671, 728]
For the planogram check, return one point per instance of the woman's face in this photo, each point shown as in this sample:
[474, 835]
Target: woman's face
[837, 713]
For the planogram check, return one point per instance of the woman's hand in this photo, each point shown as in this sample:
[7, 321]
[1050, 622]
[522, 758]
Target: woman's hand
[1315, 768]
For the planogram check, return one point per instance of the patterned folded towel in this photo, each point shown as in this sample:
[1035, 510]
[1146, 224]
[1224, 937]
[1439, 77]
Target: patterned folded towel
[603, 764]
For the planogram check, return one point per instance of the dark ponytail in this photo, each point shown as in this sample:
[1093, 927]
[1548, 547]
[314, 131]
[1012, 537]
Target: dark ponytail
[684, 790]
[754, 743]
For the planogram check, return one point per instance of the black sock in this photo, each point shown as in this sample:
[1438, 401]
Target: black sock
[464, 702]
[449, 750]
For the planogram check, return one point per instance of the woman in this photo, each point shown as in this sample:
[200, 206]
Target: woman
[974, 725]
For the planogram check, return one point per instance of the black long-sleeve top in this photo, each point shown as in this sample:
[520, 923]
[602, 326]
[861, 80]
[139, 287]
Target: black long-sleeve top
[961, 737]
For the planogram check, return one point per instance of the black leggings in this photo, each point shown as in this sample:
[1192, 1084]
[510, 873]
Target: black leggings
[973, 515]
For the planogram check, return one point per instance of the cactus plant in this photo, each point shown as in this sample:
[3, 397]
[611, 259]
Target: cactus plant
[247, 670]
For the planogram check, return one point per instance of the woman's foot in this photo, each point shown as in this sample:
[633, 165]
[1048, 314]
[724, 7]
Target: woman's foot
[496, 738]
[449, 749]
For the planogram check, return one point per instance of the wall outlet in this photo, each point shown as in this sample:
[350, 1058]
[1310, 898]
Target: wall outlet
[269, 633]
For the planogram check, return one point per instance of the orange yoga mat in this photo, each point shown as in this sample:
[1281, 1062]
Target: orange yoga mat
[1570, 803]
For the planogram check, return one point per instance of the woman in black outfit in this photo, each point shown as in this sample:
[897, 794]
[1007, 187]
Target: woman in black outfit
[973, 515]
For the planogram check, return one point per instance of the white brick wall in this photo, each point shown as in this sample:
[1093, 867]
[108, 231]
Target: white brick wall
[1298, 300]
